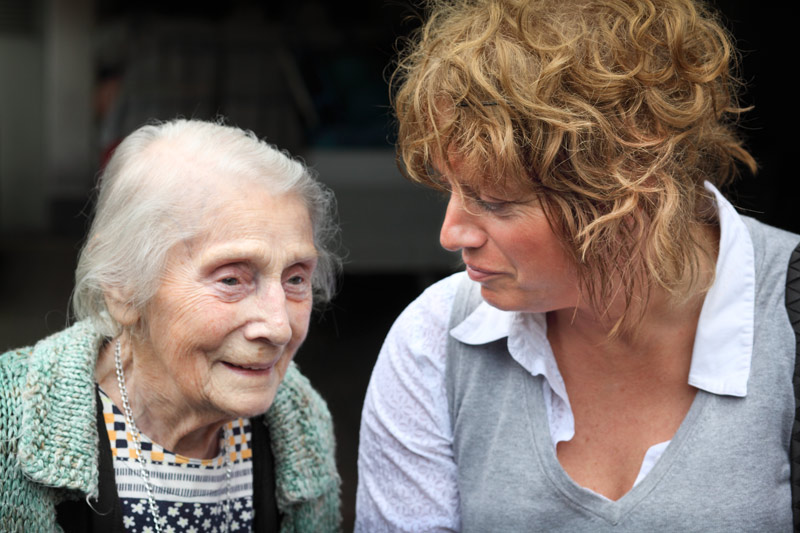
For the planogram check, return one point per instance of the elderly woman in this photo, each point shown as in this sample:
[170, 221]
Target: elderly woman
[173, 404]
[617, 355]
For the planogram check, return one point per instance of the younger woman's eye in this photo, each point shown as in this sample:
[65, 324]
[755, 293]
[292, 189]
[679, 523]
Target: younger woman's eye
[296, 280]
[491, 206]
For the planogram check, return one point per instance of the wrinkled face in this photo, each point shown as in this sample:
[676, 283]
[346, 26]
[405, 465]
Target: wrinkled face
[509, 248]
[233, 306]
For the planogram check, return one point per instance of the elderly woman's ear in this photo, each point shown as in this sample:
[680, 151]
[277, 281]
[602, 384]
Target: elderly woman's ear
[120, 307]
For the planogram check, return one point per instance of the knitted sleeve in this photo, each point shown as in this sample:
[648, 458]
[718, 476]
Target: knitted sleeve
[24, 505]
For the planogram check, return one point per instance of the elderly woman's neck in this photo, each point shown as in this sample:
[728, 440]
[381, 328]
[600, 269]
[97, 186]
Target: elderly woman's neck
[176, 428]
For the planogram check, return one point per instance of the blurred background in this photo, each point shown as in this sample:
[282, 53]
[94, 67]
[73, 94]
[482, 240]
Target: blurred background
[76, 76]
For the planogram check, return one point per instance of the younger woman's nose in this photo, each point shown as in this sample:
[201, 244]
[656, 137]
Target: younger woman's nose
[460, 229]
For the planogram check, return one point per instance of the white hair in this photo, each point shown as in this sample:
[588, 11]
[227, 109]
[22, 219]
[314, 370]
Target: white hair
[144, 209]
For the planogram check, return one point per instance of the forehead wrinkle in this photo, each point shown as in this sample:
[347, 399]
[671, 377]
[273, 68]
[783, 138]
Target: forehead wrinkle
[226, 201]
[217, 239]
[262, 252]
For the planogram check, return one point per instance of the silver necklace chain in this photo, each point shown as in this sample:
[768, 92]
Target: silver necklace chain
[137, 443]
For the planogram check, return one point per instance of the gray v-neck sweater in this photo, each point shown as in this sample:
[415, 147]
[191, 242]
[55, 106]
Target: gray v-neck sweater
[726, 469]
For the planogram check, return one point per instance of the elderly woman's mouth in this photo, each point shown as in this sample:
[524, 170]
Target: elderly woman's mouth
[259, 368]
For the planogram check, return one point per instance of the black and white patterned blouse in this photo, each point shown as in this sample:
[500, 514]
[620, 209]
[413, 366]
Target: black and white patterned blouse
[190, 493]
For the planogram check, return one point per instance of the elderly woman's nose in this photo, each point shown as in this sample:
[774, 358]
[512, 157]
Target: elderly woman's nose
[270, 316]
[459, 229]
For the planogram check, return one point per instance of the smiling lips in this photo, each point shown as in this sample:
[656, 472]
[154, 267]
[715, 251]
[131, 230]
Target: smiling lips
[251, 369]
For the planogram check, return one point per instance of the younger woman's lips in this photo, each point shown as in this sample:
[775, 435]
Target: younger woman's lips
[479, 274]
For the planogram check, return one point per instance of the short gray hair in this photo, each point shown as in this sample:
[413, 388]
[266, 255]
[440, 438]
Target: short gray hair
[142, 211]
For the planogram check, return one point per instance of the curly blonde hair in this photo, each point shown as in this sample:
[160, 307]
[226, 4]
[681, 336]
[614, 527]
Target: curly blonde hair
[613, 112]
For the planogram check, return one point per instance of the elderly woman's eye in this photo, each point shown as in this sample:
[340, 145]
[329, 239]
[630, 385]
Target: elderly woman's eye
[297, 280]
[229, 281]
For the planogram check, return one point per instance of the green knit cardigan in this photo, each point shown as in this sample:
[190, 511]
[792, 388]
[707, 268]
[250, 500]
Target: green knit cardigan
[49, 438]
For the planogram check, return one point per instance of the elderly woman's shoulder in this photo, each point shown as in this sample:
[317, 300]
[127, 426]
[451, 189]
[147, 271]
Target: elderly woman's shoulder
[13, 369]
[303, 445]
[297, 388]
[79, 341]
[65, 358]
[14, 359]
[297, 399]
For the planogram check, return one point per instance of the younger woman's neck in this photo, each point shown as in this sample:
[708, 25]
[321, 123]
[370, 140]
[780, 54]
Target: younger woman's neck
[653, 316]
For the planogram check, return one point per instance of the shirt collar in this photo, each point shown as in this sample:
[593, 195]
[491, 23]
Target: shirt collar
[723, 344]
[527, 340]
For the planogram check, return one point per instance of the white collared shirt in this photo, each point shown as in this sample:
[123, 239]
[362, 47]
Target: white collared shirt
[407, 475]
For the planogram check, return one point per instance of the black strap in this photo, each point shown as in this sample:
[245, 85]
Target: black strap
[265, 505]
[793, 308]
[105, 514]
